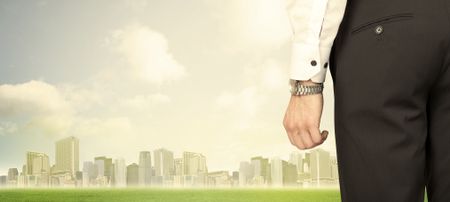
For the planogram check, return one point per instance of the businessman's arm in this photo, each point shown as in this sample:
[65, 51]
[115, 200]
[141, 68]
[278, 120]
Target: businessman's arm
[314, 26]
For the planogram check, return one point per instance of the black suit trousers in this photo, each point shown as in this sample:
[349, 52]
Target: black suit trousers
[390, 65]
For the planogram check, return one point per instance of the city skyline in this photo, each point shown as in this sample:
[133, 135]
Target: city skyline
[81, 161]
[303, 169]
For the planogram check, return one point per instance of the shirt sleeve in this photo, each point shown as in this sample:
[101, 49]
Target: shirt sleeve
[314, 26]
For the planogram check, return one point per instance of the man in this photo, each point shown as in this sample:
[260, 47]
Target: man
[389, 61]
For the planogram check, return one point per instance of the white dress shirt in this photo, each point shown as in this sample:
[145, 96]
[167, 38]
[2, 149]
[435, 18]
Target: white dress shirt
[314, 26]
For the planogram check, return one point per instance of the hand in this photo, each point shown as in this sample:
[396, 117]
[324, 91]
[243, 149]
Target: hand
[302, 121]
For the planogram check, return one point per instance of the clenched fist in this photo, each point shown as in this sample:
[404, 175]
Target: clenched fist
[302, 120]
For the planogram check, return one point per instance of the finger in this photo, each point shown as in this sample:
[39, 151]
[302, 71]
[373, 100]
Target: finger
[306, 138]
[298, 142]
[316, 137]
[290, 136]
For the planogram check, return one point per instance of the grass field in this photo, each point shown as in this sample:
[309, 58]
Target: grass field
[171, 195]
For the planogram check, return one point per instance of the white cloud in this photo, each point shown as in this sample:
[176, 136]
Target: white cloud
[147, 52]
[33, 97]
[35, 107]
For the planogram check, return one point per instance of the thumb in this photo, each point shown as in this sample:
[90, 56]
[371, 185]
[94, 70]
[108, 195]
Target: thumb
[324, 134]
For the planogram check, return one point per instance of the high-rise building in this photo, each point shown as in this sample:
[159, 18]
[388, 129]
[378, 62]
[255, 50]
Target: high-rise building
[195, 171]
[245, 173]
[276, 169]
[90, 172]
[104, 166]
[145, 168]
[320, 165]
[261, 170]
[290, 174]
[13, 173]
[194, 163]
[67, 155]
[132, 174]
[120, 171]
[37, 163]
[163, 162]
[38, 169]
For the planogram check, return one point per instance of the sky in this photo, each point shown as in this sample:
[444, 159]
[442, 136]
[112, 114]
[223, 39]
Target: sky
[123, 76]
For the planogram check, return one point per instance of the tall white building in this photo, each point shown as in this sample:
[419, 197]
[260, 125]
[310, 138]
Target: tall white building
[120, 173]
[145, 168]
[163, 162]
[276, 171]
[246, 171]
[67, 155]
[320, 165]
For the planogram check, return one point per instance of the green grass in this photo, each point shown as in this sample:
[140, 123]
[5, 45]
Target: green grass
[171, 195]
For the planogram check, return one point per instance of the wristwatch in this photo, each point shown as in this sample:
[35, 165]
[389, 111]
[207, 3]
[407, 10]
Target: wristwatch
[296, 88]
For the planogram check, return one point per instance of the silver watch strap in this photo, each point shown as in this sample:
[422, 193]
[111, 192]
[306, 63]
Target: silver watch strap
[300, 89]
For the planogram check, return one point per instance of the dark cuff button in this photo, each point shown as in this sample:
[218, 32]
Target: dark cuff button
[313, 63]
[325, 65]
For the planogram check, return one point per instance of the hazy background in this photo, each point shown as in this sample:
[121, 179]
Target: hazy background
[207, 76]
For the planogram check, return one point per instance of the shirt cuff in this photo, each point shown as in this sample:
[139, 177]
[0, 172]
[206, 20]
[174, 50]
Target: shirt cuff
[309, 62]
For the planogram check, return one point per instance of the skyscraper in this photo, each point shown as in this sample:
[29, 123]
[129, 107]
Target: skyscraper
[90, 172]
[195, 171]
[37, 163]
[245, 173]
[163, 162]
[194, 163]
[289, 173]
[105, 167]
[120, 173]
[67, 155]
[145, 168]
[320, 165]
[12, 174]
[276, 169]
[132, 174]
[38, 169]
[261, 168]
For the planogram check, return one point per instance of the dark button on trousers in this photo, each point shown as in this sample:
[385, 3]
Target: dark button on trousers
[390, 65]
